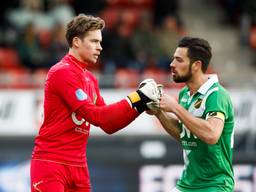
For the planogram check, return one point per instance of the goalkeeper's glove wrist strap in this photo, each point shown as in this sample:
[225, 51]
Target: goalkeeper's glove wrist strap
[138, 100]
[134, 97]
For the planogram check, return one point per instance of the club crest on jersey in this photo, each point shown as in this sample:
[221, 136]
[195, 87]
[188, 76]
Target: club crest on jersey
[198, 103]
[81, 95]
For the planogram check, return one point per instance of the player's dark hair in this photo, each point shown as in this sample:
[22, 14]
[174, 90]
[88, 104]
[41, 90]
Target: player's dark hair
[198, 49]
[80, 25]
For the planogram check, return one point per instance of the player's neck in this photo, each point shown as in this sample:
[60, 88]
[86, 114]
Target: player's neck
[196, 82]
[76, 55]
[77, 59]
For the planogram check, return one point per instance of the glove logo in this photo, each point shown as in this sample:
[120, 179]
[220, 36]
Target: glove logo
[81, 95]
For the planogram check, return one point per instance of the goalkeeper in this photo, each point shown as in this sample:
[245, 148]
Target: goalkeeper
[72, 102]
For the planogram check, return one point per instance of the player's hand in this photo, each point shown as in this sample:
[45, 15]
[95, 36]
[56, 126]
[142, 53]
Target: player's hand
[154, 106]
[151, 89]
[148, 91]
[168, 103]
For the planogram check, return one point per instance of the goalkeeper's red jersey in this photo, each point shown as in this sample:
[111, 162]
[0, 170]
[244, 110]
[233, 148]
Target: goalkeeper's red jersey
[72, 101]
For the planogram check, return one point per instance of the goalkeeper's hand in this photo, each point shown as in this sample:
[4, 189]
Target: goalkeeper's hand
[148, 91]
[154, 106]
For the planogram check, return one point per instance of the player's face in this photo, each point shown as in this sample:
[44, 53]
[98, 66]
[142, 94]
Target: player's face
[90, 46]
[181, 66]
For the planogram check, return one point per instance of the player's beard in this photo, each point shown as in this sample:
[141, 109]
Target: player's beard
[183, 78]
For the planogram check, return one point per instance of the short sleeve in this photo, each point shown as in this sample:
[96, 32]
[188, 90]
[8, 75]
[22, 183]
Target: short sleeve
[217, 102]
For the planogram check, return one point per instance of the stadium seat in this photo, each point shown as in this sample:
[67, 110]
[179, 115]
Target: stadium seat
[130, 17]
[39, 77]
[119, 3]
[148, 4]
[160, 76]
[126, 78]
[16, 79]
[9, 59]
[45, 38]
[253, 37]
[145, 4]
[110, 16]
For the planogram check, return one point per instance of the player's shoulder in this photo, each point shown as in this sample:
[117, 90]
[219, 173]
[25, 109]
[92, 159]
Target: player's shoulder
[90, 75]
[61, 68]
[219, 89]
[218, 92]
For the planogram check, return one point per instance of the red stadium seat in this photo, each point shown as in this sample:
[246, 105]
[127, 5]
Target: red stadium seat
[9, 59]
[131, 17]
[45, 38]
[110, 16]
[253, 37]
[119, 3]
[158, 75]
[148, 4]
[39, 77]
[16, 79]
[126, 78]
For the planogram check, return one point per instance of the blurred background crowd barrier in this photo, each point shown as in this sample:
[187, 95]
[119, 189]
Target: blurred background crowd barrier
[138, 42]
[140, 158]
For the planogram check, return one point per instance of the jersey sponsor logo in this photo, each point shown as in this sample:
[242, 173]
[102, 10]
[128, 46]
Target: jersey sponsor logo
[186, 132]
[188, 140]
[81, 95]
[79, 123]
[189, 143]
[183, 100]
[81, 130]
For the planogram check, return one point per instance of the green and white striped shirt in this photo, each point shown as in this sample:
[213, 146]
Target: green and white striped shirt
[208, 168]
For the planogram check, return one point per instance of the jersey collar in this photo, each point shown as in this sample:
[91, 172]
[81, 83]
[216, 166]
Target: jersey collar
[207, 85]
[75, 61]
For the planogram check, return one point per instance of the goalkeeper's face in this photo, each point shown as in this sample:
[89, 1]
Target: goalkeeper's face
[89, 48]
[181, 66]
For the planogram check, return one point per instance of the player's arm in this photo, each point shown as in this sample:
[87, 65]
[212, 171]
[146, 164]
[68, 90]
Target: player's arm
[110, 118]
[169, 123]
[116, 116]
[208, 130]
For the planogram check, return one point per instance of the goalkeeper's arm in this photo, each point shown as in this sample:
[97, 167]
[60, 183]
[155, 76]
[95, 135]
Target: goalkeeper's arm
[116, 116]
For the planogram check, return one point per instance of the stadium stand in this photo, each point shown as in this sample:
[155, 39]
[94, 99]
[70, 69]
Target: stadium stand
[128, 13]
